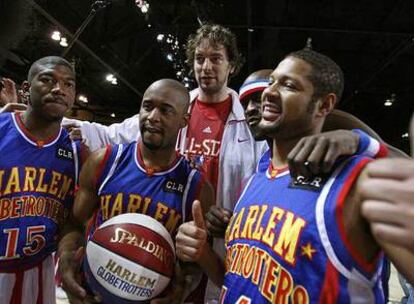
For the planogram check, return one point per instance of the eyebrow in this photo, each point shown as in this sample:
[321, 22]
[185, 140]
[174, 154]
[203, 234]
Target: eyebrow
[50, 73]
[167, 105]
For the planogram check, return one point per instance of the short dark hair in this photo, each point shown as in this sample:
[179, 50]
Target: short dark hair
[216, 34]
[326, 76]
[49, 60]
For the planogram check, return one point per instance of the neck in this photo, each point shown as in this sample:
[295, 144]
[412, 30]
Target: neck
[214, 97]
[281, 150]
[39, 127]
[281, 146]
[157, 159]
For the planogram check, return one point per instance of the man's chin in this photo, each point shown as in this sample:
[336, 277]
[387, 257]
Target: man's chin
[267, 128]
[151, 145]
[210, 88]
[52, 117]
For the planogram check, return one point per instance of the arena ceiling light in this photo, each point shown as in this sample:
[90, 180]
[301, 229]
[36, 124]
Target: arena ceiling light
[83, 98]
[390, 101]
[63, 42]
[142, 5]
[56, 36]
[112, 79]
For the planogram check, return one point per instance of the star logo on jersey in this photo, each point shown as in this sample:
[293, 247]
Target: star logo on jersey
[308, 251]
[207, 130]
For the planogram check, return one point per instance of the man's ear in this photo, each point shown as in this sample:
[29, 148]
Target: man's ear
[232, 69]
[326, 104]
[185, 119]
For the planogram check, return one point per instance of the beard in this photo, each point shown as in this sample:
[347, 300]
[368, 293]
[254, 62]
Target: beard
[151, 145]
[288, 129]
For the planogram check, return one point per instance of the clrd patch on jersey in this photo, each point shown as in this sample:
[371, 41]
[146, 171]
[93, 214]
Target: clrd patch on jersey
[64, 153]
[173, 186]
[314, 184]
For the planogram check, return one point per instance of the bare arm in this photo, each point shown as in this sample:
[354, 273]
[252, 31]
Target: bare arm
[383, 207]
[342, 120]
[70, 247]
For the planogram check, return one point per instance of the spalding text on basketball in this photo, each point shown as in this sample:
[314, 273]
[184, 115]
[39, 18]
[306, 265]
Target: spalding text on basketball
[127, 237]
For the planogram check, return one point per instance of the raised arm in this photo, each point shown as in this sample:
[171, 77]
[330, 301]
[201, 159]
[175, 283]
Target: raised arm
[97, 136]
[342, 120]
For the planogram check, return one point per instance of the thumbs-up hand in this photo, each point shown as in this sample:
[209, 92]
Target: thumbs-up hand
[388, 199]
[191, 238]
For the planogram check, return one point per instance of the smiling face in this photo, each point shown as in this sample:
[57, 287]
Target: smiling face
[163, 113]
[52, 91]
[211, 67]
[287, 104]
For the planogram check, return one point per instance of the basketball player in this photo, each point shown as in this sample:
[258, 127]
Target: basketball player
[38, 175]
[310, 244]
[319, 152]
[147, 177]
[217, 138]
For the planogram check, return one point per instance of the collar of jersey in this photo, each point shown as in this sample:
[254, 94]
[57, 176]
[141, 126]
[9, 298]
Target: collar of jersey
[273, 173]
[150, 171]
[29, 137]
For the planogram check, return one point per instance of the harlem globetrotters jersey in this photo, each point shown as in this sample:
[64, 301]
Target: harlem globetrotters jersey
[286, 243]
[125, 185]
[37, 184]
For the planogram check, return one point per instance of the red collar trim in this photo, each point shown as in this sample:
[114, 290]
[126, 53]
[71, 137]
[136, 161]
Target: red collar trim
[150, 170]
[274, 172]
[31, 137]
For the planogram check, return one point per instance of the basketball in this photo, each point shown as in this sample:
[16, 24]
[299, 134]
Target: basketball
[129, 258]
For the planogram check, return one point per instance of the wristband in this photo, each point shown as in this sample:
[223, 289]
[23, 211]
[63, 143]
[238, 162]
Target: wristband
[369, 146]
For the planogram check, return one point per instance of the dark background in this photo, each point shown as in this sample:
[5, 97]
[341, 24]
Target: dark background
[371, 40]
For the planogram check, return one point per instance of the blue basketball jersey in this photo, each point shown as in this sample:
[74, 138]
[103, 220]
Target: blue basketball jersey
[286, 243]
[37, 183]
[126, 186]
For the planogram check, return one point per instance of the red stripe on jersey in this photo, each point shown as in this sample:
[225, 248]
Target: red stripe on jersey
[16, 297]
[382, 152]
[360, 260]
[330, 287]
[92, 223]
[150, 170]
[40, 143]
[102, 164]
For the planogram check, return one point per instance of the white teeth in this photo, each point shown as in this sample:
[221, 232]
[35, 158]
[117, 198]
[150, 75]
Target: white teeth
[271, 109]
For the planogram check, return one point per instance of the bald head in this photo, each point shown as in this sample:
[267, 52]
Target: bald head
[171, 86]
[260, 74]
[48, 62]
[163, 113]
